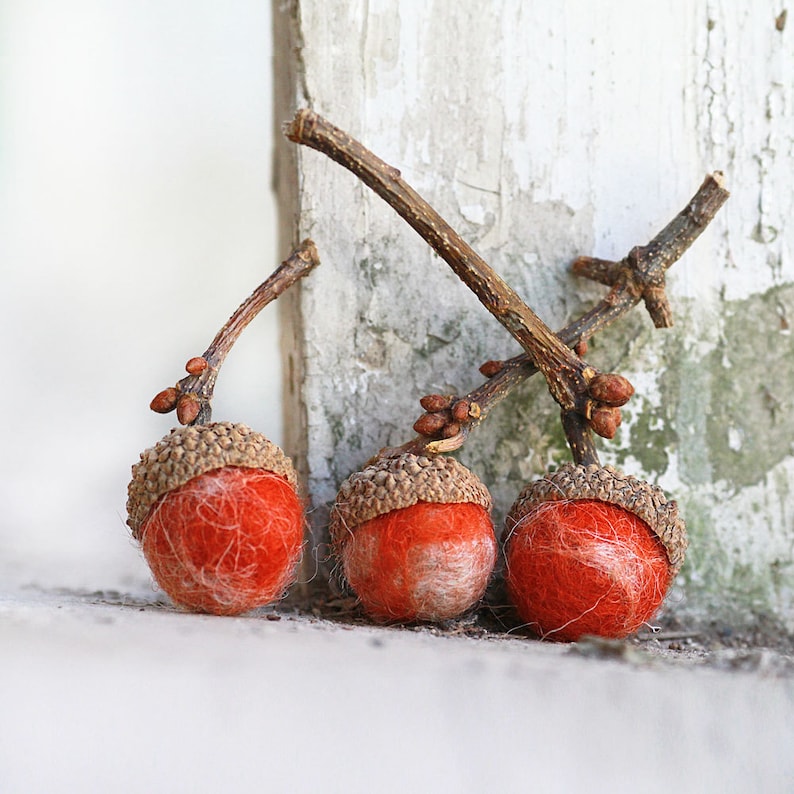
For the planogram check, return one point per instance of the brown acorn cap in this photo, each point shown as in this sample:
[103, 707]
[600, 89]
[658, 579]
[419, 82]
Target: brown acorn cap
[187, 452]
[395, 482]
[605, 484]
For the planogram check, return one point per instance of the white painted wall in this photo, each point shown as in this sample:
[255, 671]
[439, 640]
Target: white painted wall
[135, 214]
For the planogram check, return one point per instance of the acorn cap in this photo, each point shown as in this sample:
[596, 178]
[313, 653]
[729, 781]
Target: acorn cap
[187, 452]
[395, 482]
[605, 484]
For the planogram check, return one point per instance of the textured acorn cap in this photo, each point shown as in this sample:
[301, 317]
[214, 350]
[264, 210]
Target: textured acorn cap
[187, 452]
[606, 484]
[396, 482]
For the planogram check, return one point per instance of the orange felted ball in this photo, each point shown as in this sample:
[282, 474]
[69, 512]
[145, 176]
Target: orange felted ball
[424, 562]
[218, 518]
[406, 552]
[578, 561]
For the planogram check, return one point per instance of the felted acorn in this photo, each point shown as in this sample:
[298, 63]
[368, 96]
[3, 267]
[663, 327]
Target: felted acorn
[216, 510]
[591, 551]
[414, 537]
[215, 505]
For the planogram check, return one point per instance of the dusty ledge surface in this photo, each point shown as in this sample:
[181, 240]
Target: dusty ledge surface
[118, 690]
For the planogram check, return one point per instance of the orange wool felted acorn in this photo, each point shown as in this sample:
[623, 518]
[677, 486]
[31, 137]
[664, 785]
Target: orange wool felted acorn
[215, 505]
[414, 537]
[591, 551]
[217, 514]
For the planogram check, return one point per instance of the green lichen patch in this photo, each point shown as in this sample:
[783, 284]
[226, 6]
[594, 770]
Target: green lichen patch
[750, 425]
[731, 407]
[724, 580]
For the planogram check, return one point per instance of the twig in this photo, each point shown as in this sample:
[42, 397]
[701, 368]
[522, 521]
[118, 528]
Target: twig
[192, 396]
[640, 275]
[568, 377]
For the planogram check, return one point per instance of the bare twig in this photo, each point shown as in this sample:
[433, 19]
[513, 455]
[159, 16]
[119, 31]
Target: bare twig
[568, 376]
[633, 278]
[192, 396]
[644, 265]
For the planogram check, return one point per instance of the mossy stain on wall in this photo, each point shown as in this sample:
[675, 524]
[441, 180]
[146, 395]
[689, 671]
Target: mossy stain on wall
[750, 425]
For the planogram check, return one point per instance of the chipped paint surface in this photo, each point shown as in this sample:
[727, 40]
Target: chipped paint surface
[544, 131]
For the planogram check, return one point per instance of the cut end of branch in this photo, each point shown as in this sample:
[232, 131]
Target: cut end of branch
[719, 179]
[294, 129]
[307, 252]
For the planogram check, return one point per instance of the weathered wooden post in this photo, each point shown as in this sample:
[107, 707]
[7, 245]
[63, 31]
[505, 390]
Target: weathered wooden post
[542, 132]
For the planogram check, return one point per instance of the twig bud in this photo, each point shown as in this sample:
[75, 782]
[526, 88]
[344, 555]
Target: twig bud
[491, 368]
[460, 410]
[187, 408]
[165, 401]
[450, 430]
[610, 389]
[429, 424]
[196, 365]
[435, 402]
[605, 421]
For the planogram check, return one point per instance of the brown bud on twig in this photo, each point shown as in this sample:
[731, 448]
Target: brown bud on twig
[450, 430]
[187, 408]
[429, 424]
[196, 365]
[610, 389]
[203, 370]
[435, 402]
[580, 348]
[460, 410]
[605, 421]
[165, 401]
[491, 368]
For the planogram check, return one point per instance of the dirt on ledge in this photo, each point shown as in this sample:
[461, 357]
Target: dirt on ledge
[764, 649]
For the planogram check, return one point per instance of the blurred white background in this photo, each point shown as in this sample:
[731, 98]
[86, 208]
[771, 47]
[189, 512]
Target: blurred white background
[135, 214]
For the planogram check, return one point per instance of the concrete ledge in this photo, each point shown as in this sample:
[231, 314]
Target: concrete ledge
[118, 692]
